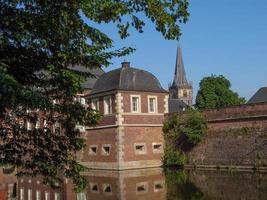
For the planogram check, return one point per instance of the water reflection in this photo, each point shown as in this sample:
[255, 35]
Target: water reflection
[152, 184]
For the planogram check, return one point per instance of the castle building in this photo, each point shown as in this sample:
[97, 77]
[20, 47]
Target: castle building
[180, 89]
[132, 103]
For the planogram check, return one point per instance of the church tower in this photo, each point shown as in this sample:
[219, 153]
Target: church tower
[180, 88]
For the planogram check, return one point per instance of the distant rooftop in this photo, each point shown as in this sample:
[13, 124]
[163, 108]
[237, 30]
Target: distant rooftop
[260, 96]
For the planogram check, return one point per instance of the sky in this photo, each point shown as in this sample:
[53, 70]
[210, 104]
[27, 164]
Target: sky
[222, 37]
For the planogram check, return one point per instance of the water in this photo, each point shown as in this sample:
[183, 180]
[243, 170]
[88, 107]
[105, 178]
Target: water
[152, 184]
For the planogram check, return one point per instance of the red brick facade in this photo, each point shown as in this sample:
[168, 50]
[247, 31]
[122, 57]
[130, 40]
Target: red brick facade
[135, 138]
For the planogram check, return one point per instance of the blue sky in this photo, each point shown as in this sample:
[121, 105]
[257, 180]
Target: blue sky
[222, 37]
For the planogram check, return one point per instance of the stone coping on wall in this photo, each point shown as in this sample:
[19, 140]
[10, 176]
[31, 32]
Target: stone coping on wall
[257, 110]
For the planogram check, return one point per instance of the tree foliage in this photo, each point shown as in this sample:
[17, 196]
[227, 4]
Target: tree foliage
[215, 92]
[181, 133]
[40, 41]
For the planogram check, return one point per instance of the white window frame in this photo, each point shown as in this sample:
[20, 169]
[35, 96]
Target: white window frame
[141, 184]
[155, 104]
[105, 185]
[91, 187]
[157, 150]
[161, 183]
[139, 152]
[47, 195]
[81, 196]
[29, 194]
[95, 104]
[103, 152]
[107, 105]
[21, 194]
[57, 196]
[138, 104]
[38, 195]
[90, 150]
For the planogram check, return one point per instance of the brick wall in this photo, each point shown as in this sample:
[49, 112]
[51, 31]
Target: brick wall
[236, 136]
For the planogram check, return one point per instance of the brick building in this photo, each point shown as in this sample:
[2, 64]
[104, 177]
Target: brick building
[132, 103]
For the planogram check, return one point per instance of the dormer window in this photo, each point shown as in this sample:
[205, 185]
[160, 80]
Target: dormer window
[107, 105]
[152, 104]
[95, 104]
[135, 104]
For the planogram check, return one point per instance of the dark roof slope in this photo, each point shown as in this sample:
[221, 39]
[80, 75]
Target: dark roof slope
[90, 81]
[177, 105]
[128, 78]
[259, 96]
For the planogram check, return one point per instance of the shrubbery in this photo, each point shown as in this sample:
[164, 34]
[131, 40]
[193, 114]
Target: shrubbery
[181, 133]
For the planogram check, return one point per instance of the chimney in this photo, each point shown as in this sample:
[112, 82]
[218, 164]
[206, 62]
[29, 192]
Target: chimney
[125, 64]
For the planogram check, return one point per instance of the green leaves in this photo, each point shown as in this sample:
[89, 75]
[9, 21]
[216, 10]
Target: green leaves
[215, 92]
[41, 43]
[181, 133]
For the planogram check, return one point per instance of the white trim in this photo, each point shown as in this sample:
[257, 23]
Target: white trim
[106, 109]
[147, 114]
[157, 150]
[139, 103]
[92, 153]
[91, 187]
[140, 152]
[124, 125]
[144, 185]
[103, 152]
[155, 106]
[97, 103]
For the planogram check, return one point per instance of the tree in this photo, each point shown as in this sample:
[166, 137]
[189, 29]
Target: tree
[39, 41]
[181, 133]
[214, 92]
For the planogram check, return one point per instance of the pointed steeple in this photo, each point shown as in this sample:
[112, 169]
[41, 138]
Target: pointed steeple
[180, 76]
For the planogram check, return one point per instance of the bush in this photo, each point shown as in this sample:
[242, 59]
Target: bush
[181, 134]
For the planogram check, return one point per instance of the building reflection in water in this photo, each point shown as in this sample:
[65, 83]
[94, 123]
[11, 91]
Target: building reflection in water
[111, 185]
[148, 184]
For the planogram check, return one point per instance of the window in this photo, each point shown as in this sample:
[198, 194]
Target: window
[107, 189]
[38, 195]
[106, 149]
[57, 196]
[47, 195]
[94, 187]
[107, 105]
[81, 196]
[93, 150]
[141, 187]
[29, 194]
[140, 148]
[37, 125]
[158, 186]
[185, 93]
[28, 125]
[21, 194]
[45, 123]
[135, 104]
[157, 147]
[95, 104]
[152, 104]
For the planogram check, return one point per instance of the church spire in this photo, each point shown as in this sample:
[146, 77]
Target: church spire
[180, 88]
[180, 76]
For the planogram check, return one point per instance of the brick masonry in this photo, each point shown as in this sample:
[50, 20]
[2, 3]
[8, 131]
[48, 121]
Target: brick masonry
[236, 136]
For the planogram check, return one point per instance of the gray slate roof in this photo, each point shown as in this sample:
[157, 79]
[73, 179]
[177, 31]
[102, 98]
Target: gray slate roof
[259, 96]
[177, 105]
[90, 81]
[128, 78]
[180, 76]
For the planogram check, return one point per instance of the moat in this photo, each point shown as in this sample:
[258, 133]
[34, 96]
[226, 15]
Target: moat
[158, 184]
